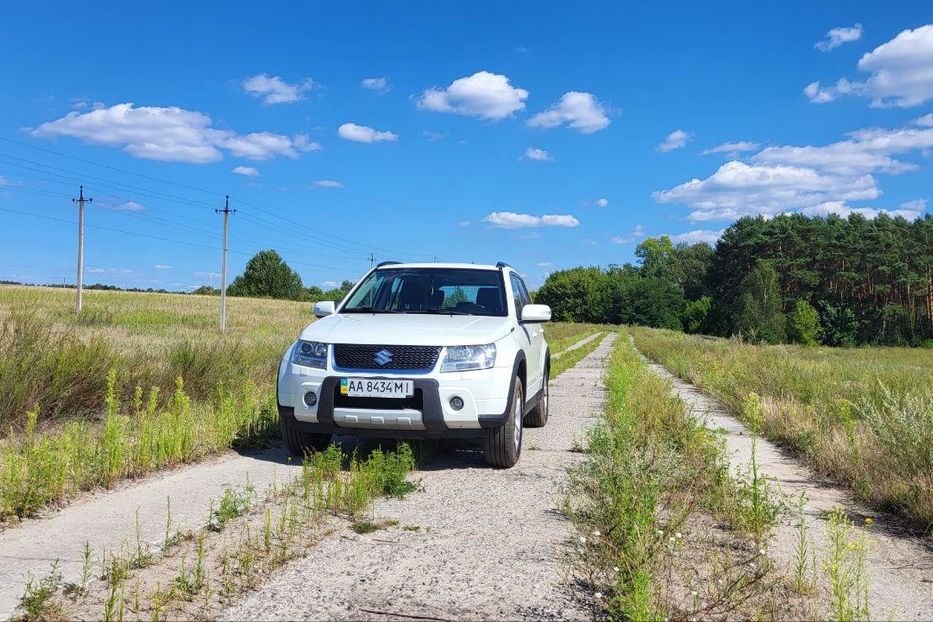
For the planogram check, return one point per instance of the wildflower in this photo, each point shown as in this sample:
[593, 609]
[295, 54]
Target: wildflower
[596, 532]
[615, 568]
[679, 536]
[660, 532]
[868, 520]
[598, 595]
[583, 539]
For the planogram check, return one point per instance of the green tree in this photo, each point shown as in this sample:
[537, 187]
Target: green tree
[338, 293]
[267, 276]
[803, 324]
[759, 317]
[656, 256]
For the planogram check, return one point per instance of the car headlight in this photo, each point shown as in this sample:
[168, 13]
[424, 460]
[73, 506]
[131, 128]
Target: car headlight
[310, 354]
[466, 358]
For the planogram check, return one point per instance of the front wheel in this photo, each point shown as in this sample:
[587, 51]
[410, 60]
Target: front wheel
[502, 445]
[301, 443]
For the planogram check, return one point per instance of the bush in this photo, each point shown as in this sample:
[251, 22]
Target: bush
[803, 324]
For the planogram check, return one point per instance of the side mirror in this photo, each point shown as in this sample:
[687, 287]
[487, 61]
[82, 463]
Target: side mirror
[536, 314]
[326, 307]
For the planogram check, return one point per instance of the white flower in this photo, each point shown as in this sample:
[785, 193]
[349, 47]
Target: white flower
[660, 532]
[615, 568]
[583, 539]
[598, 595]
[679, 536]
[596, 532]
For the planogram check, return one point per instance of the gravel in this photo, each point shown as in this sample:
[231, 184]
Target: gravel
[480, 543]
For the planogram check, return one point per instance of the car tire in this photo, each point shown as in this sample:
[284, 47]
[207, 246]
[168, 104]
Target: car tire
[502, 445]
[538, 415]
[301, 443]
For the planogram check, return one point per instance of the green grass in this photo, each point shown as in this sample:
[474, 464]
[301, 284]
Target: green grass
[861, 415]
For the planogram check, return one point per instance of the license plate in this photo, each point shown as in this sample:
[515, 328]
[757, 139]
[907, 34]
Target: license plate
[376, 387]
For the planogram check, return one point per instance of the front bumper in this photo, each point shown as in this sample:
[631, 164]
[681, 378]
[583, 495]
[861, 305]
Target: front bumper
[428, 414]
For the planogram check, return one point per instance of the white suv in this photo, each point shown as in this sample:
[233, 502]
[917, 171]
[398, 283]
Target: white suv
[421, 351]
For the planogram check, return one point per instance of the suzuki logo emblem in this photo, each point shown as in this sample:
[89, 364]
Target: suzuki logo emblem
[382, 357]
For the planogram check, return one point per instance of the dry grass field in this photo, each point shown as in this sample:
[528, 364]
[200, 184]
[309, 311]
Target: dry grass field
[861, 415]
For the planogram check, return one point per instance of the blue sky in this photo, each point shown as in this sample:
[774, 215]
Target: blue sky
[547, 135]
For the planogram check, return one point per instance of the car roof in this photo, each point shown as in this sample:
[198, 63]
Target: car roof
[469, 266]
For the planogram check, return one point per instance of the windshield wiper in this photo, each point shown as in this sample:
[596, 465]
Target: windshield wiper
[367, 310]
[440, 312]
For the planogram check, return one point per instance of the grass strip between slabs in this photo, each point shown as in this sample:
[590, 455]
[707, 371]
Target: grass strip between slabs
[664, 530]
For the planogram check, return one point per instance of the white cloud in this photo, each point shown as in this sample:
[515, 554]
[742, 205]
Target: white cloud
[169, 134]
[580, 111]
[363, 134]
[128, 206]
[865, 151]
[637, 232]
[901, 73]
[911, 210]
[696, 236]
[433, 136]
[266, 145]
[545, 264]
[674, 140]
[162, 266]
[94, 270]
[511, 220]
[533, 153]
[838, 36]
[380, 85]
[275, 90]
[732, 149]
[925, 121]
[601, 202]
[331, 284]
[484, 94]
[4, 181]
[739, 189]
[464, 223]
[247, 171]
[328, 183]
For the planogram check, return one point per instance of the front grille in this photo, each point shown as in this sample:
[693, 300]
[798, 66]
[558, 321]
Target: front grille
[415, 402]
[413, 358]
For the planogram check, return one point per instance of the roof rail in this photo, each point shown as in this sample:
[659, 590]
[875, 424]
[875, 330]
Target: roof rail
[387, 263]
[502, 264]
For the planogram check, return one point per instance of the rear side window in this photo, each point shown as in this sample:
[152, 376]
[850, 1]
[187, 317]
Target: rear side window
[519, 294]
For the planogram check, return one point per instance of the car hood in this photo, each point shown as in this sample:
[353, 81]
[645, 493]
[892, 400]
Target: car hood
[407, 329]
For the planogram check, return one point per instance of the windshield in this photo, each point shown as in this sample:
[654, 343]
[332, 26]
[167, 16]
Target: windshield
[454, 291]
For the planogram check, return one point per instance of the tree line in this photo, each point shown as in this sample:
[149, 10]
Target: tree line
[266, 275]
[836, 281]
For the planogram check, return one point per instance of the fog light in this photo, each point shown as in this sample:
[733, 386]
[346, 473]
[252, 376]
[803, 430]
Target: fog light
[456, 403]
[310, 398]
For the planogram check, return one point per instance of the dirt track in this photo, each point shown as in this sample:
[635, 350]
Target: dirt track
[488, 543]
[899, 564]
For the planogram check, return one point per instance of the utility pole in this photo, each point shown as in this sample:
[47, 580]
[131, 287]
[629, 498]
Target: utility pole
[226, 211]
[80, 201]
[372, 260]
